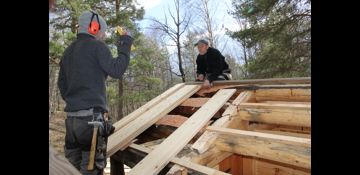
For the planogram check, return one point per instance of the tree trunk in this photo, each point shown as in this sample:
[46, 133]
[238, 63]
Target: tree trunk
[121, 103]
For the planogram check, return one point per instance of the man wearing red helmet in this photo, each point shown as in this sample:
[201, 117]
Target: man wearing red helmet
[84, 67]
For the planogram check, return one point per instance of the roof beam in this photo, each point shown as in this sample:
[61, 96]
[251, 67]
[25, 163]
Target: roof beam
[127, 133]
[287, 114]
[286, 149]
[157, 159]
[132, 116]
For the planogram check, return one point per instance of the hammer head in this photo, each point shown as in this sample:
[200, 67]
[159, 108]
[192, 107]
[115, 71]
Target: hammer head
[96, 123]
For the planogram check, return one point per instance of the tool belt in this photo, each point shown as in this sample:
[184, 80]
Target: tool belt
[107, 128]
[103, 133]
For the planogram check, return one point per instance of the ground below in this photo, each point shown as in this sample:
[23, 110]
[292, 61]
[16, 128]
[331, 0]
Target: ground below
[57, 131]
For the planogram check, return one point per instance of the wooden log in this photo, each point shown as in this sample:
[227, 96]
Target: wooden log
[135, 127]
[59, 165]
[158, 158]
[298, 80]
[285, 149]
[285, 93]
[287, 114]
[259, 125]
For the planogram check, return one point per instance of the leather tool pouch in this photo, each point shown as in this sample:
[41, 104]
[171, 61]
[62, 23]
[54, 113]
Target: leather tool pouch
[100, 154]
[109, 128]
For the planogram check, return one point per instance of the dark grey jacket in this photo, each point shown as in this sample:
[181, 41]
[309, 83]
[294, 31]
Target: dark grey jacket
[212, 62]
[84, 67]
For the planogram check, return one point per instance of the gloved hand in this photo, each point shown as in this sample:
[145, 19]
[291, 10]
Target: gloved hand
[125, 43]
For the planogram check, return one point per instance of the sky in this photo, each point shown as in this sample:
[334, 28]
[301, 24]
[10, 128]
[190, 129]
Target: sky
[156, 8]
[150, 4]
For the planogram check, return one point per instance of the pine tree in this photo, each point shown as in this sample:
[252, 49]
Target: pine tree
[279, 32]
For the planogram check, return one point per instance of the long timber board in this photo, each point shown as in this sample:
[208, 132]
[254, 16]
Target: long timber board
[158, 158]
[135, 127]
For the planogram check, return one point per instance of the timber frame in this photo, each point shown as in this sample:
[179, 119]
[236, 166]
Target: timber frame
[242, 127]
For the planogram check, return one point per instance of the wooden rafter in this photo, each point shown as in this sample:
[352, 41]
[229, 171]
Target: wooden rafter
[285, 149]
[158, 158]
[135, 127]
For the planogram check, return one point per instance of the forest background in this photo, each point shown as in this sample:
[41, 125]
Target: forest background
[272, 40]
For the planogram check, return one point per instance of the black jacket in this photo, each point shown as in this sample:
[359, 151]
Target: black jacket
[212, 62]
[84, 67]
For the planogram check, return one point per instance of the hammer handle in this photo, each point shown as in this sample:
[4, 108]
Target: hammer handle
[92, 149]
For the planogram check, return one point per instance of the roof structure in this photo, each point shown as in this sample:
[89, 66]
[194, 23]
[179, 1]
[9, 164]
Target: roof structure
[260, 126]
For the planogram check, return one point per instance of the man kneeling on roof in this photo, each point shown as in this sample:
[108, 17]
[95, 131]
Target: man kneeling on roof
[211, 64]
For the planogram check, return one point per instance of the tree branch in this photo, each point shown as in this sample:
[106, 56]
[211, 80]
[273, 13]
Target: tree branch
[53, 61]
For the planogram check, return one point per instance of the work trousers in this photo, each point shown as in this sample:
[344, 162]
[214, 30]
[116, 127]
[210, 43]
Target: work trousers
[78, 143]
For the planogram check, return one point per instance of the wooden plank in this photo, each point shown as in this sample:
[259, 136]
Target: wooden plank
[285, 149]
[287, 114]
[207, 158]
[248, 165]
[219, 159]
[128, 132]
[208, 138]
[132, 116]
[308, 136]
[158, 158]
[59, 165]
[182, 162]
[194, 102]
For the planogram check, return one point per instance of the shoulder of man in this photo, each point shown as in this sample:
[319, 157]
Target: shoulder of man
[214, 50]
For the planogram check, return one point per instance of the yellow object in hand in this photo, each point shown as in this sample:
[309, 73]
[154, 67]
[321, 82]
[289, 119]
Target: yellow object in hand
[119, 29]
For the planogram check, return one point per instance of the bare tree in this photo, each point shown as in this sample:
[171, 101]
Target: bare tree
[210, 17]
[181, 24]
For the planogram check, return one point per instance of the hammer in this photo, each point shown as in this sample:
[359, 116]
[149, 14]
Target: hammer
[93, 143]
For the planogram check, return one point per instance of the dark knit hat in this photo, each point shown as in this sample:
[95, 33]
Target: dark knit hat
[85, 19]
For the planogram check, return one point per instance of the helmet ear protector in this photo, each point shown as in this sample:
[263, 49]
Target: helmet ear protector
[94, 27]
